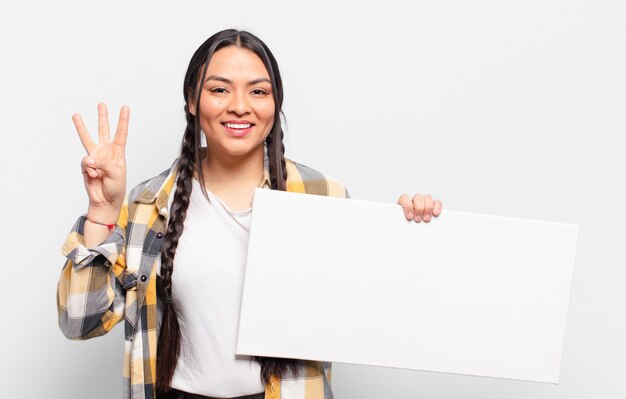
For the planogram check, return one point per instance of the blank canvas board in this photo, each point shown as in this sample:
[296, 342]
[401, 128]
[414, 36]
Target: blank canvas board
[353, 281]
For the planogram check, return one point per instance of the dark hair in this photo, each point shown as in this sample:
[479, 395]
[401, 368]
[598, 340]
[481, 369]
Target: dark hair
[168, 345]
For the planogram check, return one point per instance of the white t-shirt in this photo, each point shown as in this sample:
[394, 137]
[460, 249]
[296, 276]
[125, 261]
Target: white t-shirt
[207, 284]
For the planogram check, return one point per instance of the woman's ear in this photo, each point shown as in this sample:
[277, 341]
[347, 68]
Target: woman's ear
[192, 102]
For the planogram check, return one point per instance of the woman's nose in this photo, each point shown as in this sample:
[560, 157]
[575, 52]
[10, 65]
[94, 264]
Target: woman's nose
[239, 104]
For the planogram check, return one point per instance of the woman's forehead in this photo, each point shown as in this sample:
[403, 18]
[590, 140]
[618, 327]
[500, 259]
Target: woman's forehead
[237, 63]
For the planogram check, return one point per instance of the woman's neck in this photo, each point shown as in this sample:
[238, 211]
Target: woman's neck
[228, 172]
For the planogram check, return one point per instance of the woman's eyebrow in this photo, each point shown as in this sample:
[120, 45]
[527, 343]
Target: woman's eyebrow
[259, 80]
[228, 81]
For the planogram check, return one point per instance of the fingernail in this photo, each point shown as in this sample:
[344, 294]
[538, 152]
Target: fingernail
[410, 215]
[90, 161]
[427, 218]
[418, 218]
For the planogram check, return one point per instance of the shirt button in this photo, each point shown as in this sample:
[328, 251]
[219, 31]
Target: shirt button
[143, 278]
[159, 235]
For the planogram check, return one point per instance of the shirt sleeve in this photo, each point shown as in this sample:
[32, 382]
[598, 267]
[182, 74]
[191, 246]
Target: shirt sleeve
[328, 369]
[336, 188]
[90, 292]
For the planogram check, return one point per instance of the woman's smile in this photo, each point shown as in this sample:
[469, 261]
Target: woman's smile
[238, 128]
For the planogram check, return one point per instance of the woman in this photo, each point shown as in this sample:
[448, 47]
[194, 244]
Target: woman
[180, 333]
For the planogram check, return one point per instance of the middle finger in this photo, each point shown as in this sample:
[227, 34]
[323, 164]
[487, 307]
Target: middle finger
[418, 206]
[103, 123]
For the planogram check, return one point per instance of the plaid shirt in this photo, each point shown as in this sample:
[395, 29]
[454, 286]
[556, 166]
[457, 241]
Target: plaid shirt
[116, 280]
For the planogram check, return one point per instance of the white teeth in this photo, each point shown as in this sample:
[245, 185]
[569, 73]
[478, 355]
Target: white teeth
[238, 125]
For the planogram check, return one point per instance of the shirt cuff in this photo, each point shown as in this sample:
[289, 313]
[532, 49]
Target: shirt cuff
[105, 253]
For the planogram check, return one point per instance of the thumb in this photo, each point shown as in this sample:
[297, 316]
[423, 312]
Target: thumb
[94, 167]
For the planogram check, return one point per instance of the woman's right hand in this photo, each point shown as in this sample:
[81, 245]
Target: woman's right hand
[104, 166]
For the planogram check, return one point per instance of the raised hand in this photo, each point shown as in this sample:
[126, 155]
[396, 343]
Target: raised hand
[104, 166]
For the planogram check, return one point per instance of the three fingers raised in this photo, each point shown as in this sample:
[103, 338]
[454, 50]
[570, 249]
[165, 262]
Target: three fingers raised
[103, 128]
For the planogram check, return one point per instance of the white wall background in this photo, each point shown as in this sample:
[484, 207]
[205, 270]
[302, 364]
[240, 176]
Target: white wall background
[497, 107]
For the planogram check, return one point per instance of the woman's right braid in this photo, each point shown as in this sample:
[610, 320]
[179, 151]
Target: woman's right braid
[168, 345]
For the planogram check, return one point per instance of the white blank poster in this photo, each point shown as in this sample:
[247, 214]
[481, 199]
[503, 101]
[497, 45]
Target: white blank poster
[355, 282]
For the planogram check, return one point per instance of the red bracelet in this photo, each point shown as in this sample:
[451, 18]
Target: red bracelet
[109, 226]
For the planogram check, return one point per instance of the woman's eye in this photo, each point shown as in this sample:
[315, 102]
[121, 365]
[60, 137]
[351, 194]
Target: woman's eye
[259, 92]
[218, 90]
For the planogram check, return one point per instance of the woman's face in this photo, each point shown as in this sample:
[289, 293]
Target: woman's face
[236, 106]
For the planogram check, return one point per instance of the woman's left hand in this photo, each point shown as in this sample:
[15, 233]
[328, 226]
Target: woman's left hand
[421, 207]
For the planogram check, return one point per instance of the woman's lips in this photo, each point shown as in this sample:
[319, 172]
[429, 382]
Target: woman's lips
[238, 129]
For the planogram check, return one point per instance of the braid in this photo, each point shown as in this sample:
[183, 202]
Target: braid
[271, 366]
[168, 345]
[276, 157]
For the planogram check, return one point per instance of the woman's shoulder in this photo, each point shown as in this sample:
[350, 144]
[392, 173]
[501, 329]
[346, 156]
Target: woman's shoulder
[305, 179]
[148, 190]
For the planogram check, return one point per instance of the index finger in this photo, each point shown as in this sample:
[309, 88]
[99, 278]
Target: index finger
[83, 134]
[407, 206]
[122, 127]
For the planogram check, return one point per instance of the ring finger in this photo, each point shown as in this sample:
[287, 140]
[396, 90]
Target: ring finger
[428, 207]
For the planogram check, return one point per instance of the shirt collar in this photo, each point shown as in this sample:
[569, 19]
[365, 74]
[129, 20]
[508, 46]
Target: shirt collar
[158, 188]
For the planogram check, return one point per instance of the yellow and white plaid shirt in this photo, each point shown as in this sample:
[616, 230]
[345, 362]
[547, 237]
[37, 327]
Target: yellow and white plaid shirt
[116, 280]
